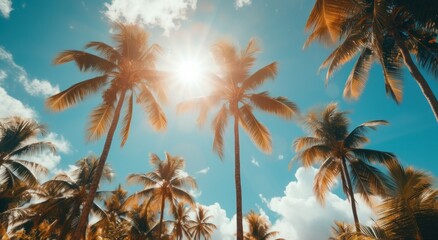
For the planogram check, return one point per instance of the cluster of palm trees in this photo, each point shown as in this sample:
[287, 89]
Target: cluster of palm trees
[386, 30]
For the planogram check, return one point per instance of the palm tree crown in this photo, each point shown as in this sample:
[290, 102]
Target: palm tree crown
[332, 146]
[201, 225]
[258, 228]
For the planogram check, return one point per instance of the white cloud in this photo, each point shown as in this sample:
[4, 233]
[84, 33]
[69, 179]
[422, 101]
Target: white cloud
[13, 107]
[300, 214]
[203, 171]
[280, 157]
[255, 162]
[34, 87]
[5, 7]
[61, 144]
[165, 14]
[242, 3]
[226, 228]
[3, 75]
[195, 193]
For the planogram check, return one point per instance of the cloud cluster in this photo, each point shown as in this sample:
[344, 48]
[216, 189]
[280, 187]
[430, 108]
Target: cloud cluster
[5, 7]
[34, 87]
[164, 14]
[13, 107]
[242, 3]
[255, 162]
[300, 216]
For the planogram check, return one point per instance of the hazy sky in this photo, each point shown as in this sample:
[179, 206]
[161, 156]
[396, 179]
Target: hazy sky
[33, 32]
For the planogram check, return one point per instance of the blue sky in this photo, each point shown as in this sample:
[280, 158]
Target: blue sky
[32, 33]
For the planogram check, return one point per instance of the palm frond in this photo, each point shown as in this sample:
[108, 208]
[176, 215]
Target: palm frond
[75, 93]
[100, 121]
[258, 133]
[219, 124]
[373, 155]
[359, 75]
[156, 115]
[259, 77]
[85, 61]
[34, 148]
[326, 177]
[314, 154]
[106, 50]
[305, 142]
[127, 120]
[280, 106]
[357, 136]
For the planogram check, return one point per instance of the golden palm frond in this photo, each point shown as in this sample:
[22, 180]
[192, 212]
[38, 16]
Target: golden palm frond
[100, 121]
[75, 93]
[85, 61]
[256, 79]
[258, 133]
[314, 154]
[325, 178]
[357, 137]
[219, 124]
[324, 20]
[127, 120]
[359, 75]
[156, 115]
[304, 142]
[106, 50]
[279, 106]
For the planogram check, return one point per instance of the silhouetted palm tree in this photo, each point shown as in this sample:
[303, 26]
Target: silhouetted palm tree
[201, 227]
[233, 94]
[166, 183]
[18, 138]
[340, 153]
[388, 31]
[127, 71]
[259, 228]
[60, 200]
[181, 221]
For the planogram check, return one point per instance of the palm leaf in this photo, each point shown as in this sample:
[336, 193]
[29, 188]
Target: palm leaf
[304, 142]
[34, 148]
[359, 75]
[106, 50]
[256, 79]
[127, 120]
[85, 61]
[357, 136]
[156, 115]
[100, 121]
[373, 155]
[219, 124]
[258, 133]
[326, 177]
[280, 106]
[75, 93]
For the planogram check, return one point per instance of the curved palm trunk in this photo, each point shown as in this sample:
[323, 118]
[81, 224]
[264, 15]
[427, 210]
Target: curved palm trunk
[161, 216]
[424, 86]
[350, 192]
[98, 174]
[237, 178]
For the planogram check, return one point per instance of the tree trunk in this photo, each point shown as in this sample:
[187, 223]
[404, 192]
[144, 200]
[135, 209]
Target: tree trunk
[416, 74]
[96, 178]
[237, 178]
[350, 192]
[161, 216]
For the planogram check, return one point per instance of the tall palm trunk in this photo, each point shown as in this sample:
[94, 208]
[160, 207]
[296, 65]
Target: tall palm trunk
[161, 216]
[416, 74]
[98, 174]
[237, 178]
[351, 197]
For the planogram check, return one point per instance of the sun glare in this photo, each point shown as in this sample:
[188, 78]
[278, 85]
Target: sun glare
[190, 72]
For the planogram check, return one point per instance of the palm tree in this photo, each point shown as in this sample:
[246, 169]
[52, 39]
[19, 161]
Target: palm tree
[180, 222]
[166, 183]
[259, 228]
[201, 225]
[18, 139]
[233, 95]
[61, 199]
[340, 153]
[143, 221]
[127, 70]
[409, 210]
[388, 31]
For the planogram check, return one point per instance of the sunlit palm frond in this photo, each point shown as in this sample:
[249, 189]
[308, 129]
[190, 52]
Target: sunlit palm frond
[326, 178]
[305, 142]
[258, 133]
[280, 106]
[219, 124]
[34, 148]
[127, 120]
[100, 121]
[314, 154]
[357, 136]
[156, 115]
[75, 93]
[85, 61]
[373, 155]
[359, 75]
[260, 76]
[19, 169]
[106, 50]
[140, 179]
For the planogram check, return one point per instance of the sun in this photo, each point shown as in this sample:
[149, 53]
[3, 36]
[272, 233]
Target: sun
[190, 72]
